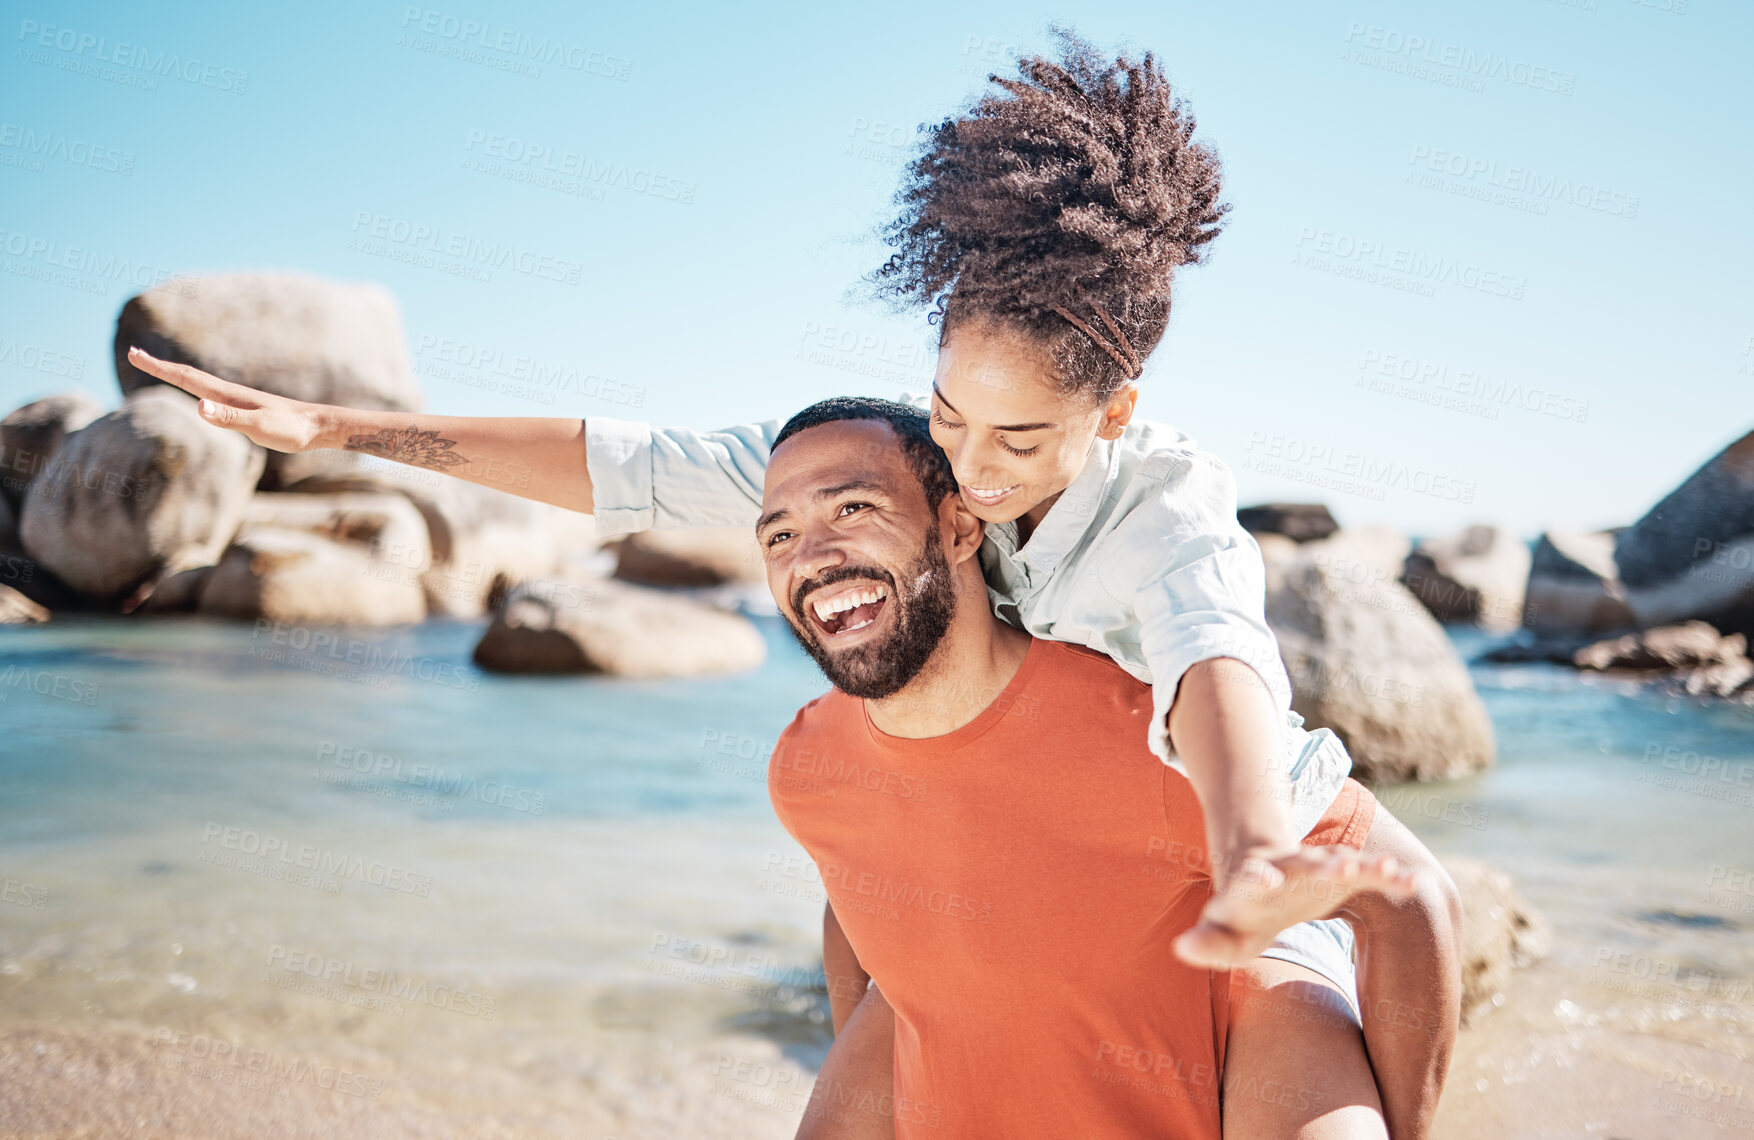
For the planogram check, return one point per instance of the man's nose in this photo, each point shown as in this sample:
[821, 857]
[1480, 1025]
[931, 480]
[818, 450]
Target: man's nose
[817, 553]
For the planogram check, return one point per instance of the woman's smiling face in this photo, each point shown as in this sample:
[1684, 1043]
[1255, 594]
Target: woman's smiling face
[1014, 440]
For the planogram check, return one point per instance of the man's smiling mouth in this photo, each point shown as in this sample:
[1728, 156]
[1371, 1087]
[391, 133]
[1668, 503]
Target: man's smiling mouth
[837, 611]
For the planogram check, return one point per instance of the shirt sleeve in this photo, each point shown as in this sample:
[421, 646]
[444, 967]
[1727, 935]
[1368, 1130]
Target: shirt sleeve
[1197, 584]
[646, 478]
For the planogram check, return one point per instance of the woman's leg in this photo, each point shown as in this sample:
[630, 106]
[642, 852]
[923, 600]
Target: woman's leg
[1409, 980]
[1294, 1065]
[854, 1096]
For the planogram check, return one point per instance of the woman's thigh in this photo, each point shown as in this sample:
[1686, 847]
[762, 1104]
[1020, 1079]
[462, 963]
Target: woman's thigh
[1294, 1063]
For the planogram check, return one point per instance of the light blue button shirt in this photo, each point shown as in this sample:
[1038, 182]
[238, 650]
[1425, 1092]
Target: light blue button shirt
[1141, 558]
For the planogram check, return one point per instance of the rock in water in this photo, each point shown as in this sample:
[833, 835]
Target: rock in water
[1695, 657]
[1688, 645]
[604, 626]
[482, 540]
[384, 526]
[385, 529]
[327, 342]
[291, 575]
[1713, 509]
[1366, 660]
[30, 436]
[1300, 522]
[1499, 932]
[146, 489]
[16, 609]
[1574, 587]
[21, 573]
[698, 556]
[1478, 576]
[1692, 555]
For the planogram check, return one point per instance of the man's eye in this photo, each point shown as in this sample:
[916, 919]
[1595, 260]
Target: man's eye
[845, 507]
[776, 536]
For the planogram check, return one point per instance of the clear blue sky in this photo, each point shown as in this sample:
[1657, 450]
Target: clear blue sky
[1535, 210]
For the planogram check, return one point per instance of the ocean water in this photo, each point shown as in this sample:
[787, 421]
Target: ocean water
[562, 906]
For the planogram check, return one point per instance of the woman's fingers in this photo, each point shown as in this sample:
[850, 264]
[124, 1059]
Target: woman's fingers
[194, 381]
[271, 421]
[226, 416]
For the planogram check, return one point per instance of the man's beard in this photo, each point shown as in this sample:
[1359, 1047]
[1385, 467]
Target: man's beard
[923, 609]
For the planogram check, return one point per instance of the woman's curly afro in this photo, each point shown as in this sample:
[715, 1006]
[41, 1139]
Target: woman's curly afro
[1078, 183]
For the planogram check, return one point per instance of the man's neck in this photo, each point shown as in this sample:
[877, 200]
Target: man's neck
[972, 665]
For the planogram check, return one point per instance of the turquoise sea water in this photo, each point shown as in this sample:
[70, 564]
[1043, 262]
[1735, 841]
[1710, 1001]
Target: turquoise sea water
[221, 828]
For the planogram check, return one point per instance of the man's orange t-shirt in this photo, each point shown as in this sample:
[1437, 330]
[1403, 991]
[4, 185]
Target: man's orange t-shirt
[1013, 887]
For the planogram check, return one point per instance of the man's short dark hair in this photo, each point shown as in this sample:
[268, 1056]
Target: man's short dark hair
[910, 425]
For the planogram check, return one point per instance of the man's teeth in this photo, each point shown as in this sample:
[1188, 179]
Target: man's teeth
[827, 608]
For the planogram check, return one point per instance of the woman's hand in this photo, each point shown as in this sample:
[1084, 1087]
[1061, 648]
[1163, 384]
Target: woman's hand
[275, 422]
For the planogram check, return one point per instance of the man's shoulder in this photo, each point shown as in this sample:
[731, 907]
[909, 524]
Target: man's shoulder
[833, 711]
[1087, 669]
[1079, 691]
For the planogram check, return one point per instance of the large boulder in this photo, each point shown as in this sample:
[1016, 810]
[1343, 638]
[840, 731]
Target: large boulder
[146, 489]
[1574, 586]
[1499, 932]
[697, 556]
[1477, 577]
[1368, 661]
[16, 609]
[1359, 556]
[604, 626]
[296, 576]
[30, 435]
[1300, 522]
[327, 342]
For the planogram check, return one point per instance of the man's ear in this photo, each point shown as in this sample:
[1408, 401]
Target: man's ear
[1118, 412]
[966, 532]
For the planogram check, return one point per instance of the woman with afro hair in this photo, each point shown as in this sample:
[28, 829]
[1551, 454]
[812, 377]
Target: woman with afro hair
[1043, 228]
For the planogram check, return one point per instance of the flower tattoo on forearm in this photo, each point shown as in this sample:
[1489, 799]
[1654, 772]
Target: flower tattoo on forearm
[408, 445]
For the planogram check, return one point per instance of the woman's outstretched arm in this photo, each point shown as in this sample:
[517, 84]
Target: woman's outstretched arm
[629, 475]
[537, 457]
